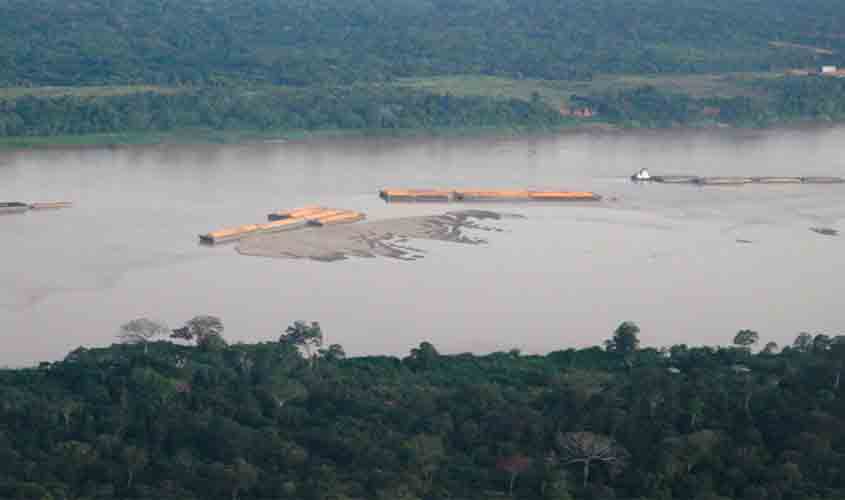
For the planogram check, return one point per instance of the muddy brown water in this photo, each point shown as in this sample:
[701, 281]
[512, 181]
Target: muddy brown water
[689, 264]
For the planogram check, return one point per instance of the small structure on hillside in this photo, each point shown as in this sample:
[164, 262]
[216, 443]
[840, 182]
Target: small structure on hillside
[578, 111]
[833, 71]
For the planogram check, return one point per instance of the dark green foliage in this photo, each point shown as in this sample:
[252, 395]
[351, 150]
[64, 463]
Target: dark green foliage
[232, 109]
[52, 42]
[216, 61]
[260, 421]
[814, 97]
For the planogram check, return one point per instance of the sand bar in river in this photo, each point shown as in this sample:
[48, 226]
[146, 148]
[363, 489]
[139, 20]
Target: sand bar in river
[386, 238]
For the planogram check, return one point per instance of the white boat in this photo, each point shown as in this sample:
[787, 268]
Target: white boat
[642, 175]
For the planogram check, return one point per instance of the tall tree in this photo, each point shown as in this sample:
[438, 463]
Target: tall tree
[837, 354]
[206, 330]
[135, 460]
[302, 335]
[770, 348]
[141, 331]
[625, 339]
[514, 465]
[424, 356]
[803, 342]
[585, 448]
[746, 338]
[821, 343]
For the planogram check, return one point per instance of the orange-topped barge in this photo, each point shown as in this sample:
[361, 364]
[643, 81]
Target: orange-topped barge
[495, 195]
[285, 220]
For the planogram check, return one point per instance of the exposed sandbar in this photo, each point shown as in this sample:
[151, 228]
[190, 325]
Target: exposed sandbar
[385, 238]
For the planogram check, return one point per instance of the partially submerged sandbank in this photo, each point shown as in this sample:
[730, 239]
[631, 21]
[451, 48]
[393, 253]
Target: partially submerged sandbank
[386, 238]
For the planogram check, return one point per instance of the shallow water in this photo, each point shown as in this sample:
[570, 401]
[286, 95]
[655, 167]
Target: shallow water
[667, 257]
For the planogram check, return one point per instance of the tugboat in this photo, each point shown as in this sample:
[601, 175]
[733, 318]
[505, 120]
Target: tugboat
[642, 175]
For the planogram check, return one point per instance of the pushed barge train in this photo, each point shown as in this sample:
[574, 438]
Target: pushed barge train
[466, 195]
[643, 175]
[14, 207]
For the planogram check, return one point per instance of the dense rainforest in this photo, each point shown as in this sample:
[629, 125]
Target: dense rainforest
[192, 417]
[151, 66]
[305, 42]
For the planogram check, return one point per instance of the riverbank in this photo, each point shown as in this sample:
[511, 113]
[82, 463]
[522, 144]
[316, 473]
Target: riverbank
[210, 136]
[459, 106]
[196, 136]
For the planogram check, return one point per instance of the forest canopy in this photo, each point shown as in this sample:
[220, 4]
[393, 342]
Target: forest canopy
[193, 417]
[295, 42]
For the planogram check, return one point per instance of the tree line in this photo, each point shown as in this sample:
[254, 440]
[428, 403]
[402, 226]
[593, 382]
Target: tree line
[376, 107]
[353, 108]
[771, 101]
[181, 413]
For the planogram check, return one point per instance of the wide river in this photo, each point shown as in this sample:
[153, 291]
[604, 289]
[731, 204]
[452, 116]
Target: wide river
[688, 264]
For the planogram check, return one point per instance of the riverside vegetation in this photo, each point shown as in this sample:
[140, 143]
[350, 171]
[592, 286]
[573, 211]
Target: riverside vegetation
[198, 419]
[158, 68]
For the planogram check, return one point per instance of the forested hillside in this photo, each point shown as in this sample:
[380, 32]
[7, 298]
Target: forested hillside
[303, 42]
[148, 69]
[294, 419]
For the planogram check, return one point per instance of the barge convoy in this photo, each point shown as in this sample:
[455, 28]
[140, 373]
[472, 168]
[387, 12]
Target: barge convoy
[643, 175]
[463, 195]
[16, 207]
[285, 220]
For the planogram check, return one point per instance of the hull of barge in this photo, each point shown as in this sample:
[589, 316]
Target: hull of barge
[723, 181]
[229, 234]
[776, 180]
[486, 196]
[822, 180]
[346, 218]
[675, 179]
[282, 225]
[296, 213]
[13, 207]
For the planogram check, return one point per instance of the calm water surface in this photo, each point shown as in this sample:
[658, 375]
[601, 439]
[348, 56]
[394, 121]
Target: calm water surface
[664, 256]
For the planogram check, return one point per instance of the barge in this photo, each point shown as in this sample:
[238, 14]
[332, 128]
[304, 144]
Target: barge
[13, 207]
[50, 205]
[675, 179]
[564, 196]
[478, 195]
[822, 180]
[16, 207]
[463, 195]
[723, 181]
[776, 180]
[643, 176]
[343, 218]
[431, 195]
[282, 225]
[296, 213]
[229, 234]
[285, 220]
